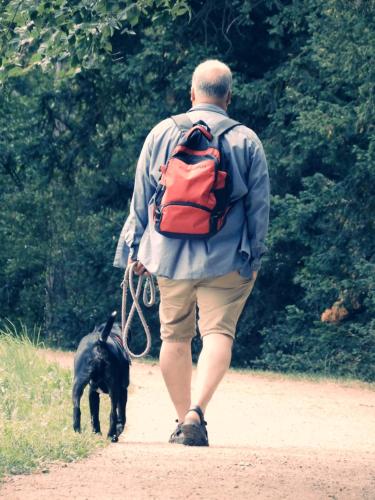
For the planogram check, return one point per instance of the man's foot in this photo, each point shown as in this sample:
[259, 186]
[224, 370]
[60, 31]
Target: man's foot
[192, 432]
[194, 429]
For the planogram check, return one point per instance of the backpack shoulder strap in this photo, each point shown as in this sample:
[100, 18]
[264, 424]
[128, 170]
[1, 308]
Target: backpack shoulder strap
[224, 126]
[182, 121]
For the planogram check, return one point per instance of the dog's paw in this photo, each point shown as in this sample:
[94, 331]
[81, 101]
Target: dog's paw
[114, 438]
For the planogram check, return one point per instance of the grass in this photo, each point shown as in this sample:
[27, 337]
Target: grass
[36, 408]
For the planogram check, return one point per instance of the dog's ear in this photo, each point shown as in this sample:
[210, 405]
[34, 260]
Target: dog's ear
[108, 327]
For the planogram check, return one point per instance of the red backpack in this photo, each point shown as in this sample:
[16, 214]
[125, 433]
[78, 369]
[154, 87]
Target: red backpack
[192, 197]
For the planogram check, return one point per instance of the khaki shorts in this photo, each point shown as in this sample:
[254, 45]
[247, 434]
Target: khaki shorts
[220, 302]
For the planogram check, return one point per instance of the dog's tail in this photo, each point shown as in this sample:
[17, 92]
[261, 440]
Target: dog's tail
[108, 327]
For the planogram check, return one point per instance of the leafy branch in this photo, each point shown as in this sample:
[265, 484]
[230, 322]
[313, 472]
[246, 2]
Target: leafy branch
[70, 36]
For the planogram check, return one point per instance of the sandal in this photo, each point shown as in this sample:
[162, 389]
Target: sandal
[195, 434]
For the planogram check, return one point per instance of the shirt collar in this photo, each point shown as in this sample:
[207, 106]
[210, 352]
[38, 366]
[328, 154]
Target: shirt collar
[208, 107]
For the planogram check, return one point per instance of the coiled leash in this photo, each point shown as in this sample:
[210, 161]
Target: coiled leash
[148, 300]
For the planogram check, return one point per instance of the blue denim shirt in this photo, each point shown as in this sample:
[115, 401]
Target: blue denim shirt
[239, 245]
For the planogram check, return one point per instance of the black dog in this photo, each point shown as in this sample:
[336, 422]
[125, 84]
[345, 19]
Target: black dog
[102, 362]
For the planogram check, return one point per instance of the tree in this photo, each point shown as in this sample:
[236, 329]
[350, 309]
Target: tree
[70, 136]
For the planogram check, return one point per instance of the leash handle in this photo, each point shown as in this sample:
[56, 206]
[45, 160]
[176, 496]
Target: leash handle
[148, 300]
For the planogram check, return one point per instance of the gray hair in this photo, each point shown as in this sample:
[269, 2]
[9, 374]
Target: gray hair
[212, 78]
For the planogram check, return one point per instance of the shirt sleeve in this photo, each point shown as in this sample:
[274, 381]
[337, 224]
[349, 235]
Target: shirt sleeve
[137, 220]
[257, 204]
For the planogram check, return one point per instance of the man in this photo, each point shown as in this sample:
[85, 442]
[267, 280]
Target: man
[215, 274]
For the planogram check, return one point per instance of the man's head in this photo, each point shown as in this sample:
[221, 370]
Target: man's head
[212, 83]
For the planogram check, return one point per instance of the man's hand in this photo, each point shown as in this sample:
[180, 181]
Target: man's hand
[139, 267]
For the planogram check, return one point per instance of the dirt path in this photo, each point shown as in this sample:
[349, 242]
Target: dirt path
[271, 438]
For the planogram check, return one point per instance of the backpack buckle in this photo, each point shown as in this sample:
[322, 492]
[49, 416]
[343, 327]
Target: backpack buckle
[157, 214]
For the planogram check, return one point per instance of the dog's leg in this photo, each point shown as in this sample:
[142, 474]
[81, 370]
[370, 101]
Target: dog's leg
[78, 388]
[94, 410]
[112, 433]
[121, 410]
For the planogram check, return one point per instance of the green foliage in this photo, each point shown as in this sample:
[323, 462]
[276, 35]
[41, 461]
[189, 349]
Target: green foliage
[33, 403]
[304, 81]
[326, 140]
[72, 35]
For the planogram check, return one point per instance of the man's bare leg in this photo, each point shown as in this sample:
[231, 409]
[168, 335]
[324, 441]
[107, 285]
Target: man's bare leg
[214, 361]
[176, 367]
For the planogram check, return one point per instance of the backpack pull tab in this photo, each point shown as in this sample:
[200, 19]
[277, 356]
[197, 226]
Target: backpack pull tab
[203, 128]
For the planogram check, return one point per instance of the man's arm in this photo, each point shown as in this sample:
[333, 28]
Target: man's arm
[137, 220]
[257, 205]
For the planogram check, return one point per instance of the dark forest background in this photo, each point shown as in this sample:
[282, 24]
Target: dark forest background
[81, 84]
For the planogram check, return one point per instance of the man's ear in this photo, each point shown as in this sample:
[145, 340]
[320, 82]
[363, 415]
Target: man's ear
[192, 95]
[229, 98]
